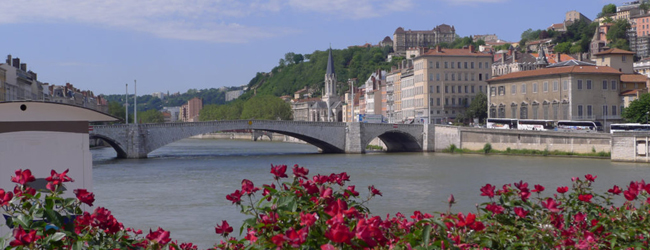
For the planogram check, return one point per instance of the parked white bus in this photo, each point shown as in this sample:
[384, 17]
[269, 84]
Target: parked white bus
[629, 127]
[500, 123]
[540, 125]
[579, 126]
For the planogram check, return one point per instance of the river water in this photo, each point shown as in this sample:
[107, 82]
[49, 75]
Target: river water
[182, 187]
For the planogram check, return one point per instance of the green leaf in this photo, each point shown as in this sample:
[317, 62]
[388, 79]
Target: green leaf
[57, 236]
[23, 220]
[53, 217]
[426, 234]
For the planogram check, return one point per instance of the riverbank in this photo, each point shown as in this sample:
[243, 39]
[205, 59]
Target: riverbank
[488, 150]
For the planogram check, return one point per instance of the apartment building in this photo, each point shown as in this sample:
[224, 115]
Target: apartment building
[443, 84]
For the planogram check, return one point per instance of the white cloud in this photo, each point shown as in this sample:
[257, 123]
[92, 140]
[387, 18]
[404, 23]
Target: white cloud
[201, 20]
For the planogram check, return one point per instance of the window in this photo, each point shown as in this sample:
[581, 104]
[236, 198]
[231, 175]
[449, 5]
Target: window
[430, 76]
[565, 111]
[446, 77]
[535, 109]
[480, 89]
[465, 64]
[466, 67]
[472, 88]
[480, 78]
[473, 77]
[502, 90]
[466, 76]
[579, 84]
[545, 87]
[446, 89]
[602, 59]
[534, 87]
[472, 65]
[589, 111]
[556, 86]
[453, 77]
[486, 65]
[446, 101]
[555, 110]
[624, 58]
[453, 101]
[452, 89]
[513, 89]
[605, 83]
[513, 112]
[588, 84]
[438, 89]
[614, 83]
[446, 65]
[493, 91]
[545, 110]
[466, 89]
[459, 78]
[565, 85]
[580, 111]
[523, 88]
[460, 101]
[479, 65]
[452, 65]
[437, 65]
[430, 89]
[523, 112]
[613, 109]
[437, 76]
[431, 102]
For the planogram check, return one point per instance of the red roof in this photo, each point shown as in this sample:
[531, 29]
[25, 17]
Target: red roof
[558, 70]
[453, 52]
[552, 58]
[633, 78]
[630, 92]
[614, 51]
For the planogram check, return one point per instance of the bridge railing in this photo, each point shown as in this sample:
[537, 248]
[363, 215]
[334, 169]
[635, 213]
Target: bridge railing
[222, 122]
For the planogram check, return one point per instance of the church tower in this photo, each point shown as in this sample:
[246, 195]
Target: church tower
[330, 97]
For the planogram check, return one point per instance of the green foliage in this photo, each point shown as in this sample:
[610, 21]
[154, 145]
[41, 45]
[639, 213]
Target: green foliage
[637, 111]
[607, 9]
[618, 30]
[266, 107]
[501, 47]
[462, 42]
[478, 108]
[230, 111]
[487, 148]
[578, 35]
[353, 62]
[148, 102]
[564, 47]
[645, 6]
[116, 109]
[452, 148]
[151, 116]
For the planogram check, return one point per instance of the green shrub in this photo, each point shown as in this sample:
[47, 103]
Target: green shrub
[487, 148]
[508, 150]
[452, 148]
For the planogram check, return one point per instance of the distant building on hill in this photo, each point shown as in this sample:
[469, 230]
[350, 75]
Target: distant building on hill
[404, 39]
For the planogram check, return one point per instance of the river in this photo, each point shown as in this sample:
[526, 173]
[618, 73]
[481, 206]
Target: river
[182, 186]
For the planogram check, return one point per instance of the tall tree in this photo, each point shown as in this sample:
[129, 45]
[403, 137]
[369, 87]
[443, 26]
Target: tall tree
[638, 110]
[266, 107]
[607, 9]
[478, 108]
[151, 116]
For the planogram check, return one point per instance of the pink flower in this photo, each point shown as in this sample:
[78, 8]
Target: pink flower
[538, 188]
[488, 190]
[160, 236]
[224, 229]
[521, 212]
[235, 197]
[300, 172]
[279, 171]
[247, 187]
[23, 177]
[551, 205]
[339, 233]
[591, 178]
[521, 185]
[22, 238]
[307, 219]
[350, 191]
[494, 208]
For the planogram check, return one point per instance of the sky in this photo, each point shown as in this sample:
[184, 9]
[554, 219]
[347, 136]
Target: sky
[176, 45]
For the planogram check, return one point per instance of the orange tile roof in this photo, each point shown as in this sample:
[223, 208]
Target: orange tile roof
[453, 52]
[633, 78]
[558, 70]
[614, 51]
[630, 92]
[552, 58]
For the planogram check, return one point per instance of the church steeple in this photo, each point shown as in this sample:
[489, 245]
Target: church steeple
[330, 97]
[541, 61]
[330, 63]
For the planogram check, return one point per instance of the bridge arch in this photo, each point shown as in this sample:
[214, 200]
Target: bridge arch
[398, 138]
[397, 141]
[121, 153]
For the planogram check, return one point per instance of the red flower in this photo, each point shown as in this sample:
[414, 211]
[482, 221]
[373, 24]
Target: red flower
[615, 190]
[160, 236]
[335, 207]
[266, 191]
[521, 185]
[279, 171]
[300, 172]
[350, 191]
[296, 238]
[630, 194]
[278, 240]
[235, 197]
[524, 194]
[247, 187]
[562, 189]
[22, 238]
[494, 208]
[339, 233]
[538, 188]
[585, 197]
[591, 178]
[327, 247]
[488, 190]
[23, 177]
[18, 192]
[465, 221]
[521, 212]
[224, 229]
[374, 191]
[5, 197]
[307, 219]
[84, 196]
[325, 192]
[551, 205]
[251, 235]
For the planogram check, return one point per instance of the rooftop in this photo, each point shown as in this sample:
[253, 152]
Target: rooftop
[558, 70]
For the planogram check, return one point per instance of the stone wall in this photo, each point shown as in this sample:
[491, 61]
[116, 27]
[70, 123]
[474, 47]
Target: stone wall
[631, 147]
[476, 138]
[445, 136]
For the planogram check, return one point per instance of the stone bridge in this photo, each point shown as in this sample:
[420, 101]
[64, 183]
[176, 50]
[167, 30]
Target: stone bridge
[138, 140]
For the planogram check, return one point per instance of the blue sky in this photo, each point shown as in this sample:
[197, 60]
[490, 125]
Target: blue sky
[175, 45]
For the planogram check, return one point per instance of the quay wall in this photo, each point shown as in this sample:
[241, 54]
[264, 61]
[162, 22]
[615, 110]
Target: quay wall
[476, 138]
[631, 147]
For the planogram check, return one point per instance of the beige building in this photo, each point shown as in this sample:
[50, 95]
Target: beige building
[573, 15]
[189, 112]
[581, 91]
[617, 59]
[444, 83]
[405, 39]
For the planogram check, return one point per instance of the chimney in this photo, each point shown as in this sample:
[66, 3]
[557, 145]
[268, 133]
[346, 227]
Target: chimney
[514, 55]
[438, 48]
[503, 58]
[9, 60]
[23, 67]
[16, 62]
[471, 48]
[559, 57]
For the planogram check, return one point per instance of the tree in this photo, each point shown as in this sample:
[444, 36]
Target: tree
[638, 109]
[564, 47]
[618, 30]
[266, 107]
[298, 58]
[288, 57]
[151, 116]
[645, 6]
[478, 108]
[607, 9]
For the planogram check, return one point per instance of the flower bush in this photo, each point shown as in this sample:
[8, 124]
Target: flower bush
[325, 212]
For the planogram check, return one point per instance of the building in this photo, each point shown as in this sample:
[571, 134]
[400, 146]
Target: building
[404, 39]
[234, 94]
[329, 108]
[619, 59]
[3, 87]
[20, 83]
[599, 40]
[174, 113]
[189, 112]
[160, 95]
[573, 16]
[443, 83]
[486, 38]
[373, 95]
[577, 92]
